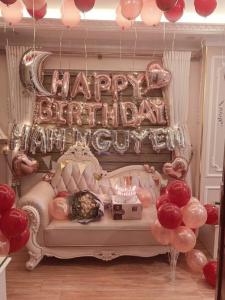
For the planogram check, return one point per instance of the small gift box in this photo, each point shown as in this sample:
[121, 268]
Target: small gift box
[124, 210]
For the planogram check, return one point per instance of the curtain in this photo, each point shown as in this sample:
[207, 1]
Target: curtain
[177, 95]
[20, 101]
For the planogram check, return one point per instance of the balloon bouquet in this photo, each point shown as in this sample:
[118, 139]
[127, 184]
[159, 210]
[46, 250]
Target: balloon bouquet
[178, 217]
[14, 230]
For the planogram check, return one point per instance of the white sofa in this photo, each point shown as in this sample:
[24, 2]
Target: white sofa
[106, 239]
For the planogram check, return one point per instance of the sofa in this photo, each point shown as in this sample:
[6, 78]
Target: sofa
[106, 239]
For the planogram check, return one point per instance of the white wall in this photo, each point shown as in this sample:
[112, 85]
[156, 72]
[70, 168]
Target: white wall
[116, 64]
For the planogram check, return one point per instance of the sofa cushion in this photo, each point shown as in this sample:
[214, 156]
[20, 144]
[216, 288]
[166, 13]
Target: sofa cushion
[106, 232]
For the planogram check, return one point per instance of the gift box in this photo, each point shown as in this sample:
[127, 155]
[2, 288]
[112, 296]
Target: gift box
[126, 210]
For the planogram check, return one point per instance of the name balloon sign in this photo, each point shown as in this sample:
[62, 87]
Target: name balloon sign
[112, 104]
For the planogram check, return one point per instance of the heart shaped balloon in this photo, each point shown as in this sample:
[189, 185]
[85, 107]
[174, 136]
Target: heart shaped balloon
[177, 169]
[156, 76]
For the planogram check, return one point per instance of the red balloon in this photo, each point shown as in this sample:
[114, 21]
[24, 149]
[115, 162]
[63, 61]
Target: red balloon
[179, 193]
[176, 12]
[165, 5]
[162, 200]
[14, 222]
[7, 197]
[19, 241]
[209, 271]
[169, 216]
[38, 14]
[205, 7]
[212, 214]
[63, 194]
[162, 190]
[84, 5]
[8, 2]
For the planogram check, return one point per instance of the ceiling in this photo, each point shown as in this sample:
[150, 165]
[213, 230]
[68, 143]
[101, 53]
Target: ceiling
[101, 34]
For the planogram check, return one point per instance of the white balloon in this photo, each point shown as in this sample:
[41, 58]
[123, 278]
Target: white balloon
[13, 13]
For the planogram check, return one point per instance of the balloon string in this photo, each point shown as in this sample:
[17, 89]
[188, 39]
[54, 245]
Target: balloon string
[164, 34]
[85, 48]
[60, 51]
[120, 47]
[34, 29]
[135, 46]
[173, 42]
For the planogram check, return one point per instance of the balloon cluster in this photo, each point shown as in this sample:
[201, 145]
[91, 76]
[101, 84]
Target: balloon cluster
[151, 10]
[178, 216]
[14, 231]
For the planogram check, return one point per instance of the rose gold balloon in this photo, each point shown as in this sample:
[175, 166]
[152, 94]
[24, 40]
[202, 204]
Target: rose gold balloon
[4, 245]
[150, 13]
[196, 260]
[193, 200]
[59, 208]
[161, 234]
[122, 22]
[156, 76]
[70, 14]
[177, 169]
[183, 239]
[23, 165]
[129, 120]
[194, 215]
[144, 196]
[13, 13]
[131, 9]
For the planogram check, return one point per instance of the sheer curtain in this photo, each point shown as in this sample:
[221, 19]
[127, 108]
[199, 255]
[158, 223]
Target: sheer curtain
[177, 94]
[20, 101]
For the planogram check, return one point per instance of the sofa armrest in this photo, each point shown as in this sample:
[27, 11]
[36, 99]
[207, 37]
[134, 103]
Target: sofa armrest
[39, 197]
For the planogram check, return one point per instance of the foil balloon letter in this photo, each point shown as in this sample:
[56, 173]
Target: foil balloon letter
[19, 138]
[102, 82]
[158, 107]
[121, 140]
[82, 137]
[136, 82]
[81, 86]
[60, 112]
[38, 140]
[60, 87]
[91, 108]
[74, 113]
[119, 83]
[110, 114]
[138, 137]
[99, 143]
[146, 112]
[129, 114]
[44, 113]
[55, 138]
[30, 71]
[158, 139]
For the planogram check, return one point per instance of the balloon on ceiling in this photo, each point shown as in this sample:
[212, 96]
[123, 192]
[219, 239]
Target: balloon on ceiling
[84, 5]
[122, 22]
[70, 14]
[150, 13]
[13, 13]
[176, 12]
[205, 7]
[8, 2]
[131, 9]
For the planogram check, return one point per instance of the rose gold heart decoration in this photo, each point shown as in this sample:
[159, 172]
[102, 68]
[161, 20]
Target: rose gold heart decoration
[156, 76]
[177, 169]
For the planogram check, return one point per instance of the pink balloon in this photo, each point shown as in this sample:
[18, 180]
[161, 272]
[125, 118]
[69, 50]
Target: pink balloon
[4, 245]
[38, 14]
[12, 14]
[194, 215]
[150, 13]
[196, 260]
[70, 14]
[131, 9]
[193, 200]
[122, 22]
[183, 239]
[161, 234]
[59, 208]
[144, 196]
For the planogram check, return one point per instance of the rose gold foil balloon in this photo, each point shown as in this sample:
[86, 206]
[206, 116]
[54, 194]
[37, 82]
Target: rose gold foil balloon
[196, 260]
[23, 165]
[70, 14]
[177, 169]
[4, 245]
[13, 13]
[144, 196]
[183, 239]
[156, 76]
[150, 13]
[194, 215]
[131, 9]
[161, 234]
[122, 22]
[59, 208]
